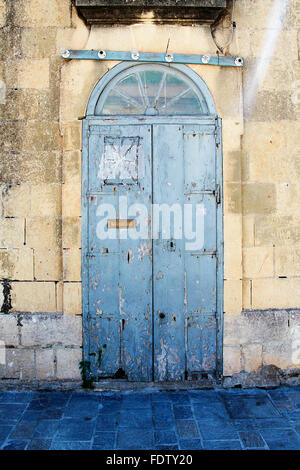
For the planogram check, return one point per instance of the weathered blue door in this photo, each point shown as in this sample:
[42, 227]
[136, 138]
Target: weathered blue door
[152, 231]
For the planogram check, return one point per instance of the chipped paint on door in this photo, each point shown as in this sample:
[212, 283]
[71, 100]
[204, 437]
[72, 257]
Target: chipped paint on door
[152, 307]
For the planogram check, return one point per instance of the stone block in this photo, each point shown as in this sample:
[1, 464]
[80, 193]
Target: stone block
[71, 200]
[38, 42]
[232, 296]
[43, 232]
[44, 363]
[279, 230]
[262, 326]
[9, 330]
[33, 73]
[232, 329]
[232, 261]
[288, 195]
[34, 13]
[232, 130]
[72, 298]
[259, 198]
[47, 264]
[11, 232]
[287, 261]
[32, 168]
[248, 230]
[33, 297]
[46, 200]
[247, 294]
[68, 363]
[72, 136]
[71, 232]
[275, 293]
[17, 264]
[271, 106]
[20, 364]
[72, 264]
[232, 198]
[231, 360]
[72, 167]
[271, 136]
[2, 13]
[41, 136]
[41, 330]
[16, 200]
[251, 357]
[232, 228]
[258, 262]
[232, 166]
[278, 353]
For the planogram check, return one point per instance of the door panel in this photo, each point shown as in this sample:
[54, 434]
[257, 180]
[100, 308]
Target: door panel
[184, 281]
[120, 269]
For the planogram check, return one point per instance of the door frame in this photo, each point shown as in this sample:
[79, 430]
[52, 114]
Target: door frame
[132, 120]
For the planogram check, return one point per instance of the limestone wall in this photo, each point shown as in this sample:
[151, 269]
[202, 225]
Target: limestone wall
[40, 223]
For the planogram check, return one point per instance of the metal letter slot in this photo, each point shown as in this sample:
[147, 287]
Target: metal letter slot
[121, 223]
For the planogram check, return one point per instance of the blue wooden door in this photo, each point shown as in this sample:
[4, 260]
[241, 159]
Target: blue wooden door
[151, 300]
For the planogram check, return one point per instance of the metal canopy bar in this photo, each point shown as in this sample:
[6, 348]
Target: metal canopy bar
[135, 56]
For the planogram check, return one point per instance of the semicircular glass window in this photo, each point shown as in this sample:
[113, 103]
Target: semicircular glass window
[151, 90]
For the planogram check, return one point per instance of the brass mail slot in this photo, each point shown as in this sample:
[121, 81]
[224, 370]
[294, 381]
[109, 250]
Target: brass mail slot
[121, 223]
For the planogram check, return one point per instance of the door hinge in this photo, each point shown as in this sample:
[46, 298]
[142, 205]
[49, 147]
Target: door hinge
[217, 135]
[218, 194]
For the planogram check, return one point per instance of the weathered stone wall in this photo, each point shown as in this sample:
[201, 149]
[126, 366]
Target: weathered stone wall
[40, 223]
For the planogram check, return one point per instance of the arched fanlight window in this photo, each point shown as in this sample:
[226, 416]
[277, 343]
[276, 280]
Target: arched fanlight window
[151, 90]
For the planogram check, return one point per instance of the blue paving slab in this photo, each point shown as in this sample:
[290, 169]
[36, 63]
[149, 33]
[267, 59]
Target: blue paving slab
[135, 418]
[180, 398]
[15, 444]
[104, 441]
[107, 422]
[252, 440]
[166, 447]
[139, 439]
[187, 428]
[11, 412]
[285, 434]
[71, 445]
[190, 444]
[15, 397]
[136, 401]
[182, 412]
[215, 430]
[222, 445]
[204, 411]
[279, 444]
[39, 444]
[46, 428]
[5, 430]
[24, 430]
[163, 436]
[75, 429]
[160, 397]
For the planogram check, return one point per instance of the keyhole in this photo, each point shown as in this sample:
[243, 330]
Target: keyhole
[162, 315]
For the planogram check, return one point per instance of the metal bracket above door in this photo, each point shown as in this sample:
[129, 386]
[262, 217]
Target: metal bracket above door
[135, 56]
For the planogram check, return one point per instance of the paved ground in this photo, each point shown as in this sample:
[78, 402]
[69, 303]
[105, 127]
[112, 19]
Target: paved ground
[198, 419]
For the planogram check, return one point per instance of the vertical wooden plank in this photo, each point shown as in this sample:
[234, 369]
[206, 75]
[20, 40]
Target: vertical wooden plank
[168, 267]
[120, 290]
